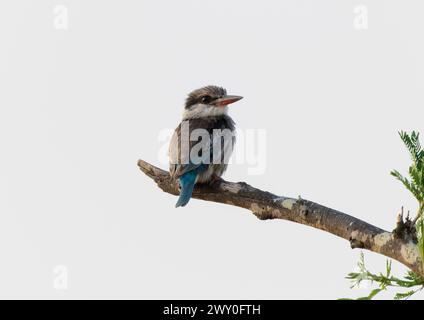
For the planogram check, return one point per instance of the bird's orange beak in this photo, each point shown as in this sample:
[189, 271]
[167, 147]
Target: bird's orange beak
[226, 100]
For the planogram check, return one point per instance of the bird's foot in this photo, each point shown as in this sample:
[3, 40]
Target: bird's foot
[215, 180]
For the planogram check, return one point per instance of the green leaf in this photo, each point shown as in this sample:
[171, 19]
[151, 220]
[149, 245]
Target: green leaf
[413, 145]
[405, 295]
[388, 267]
[371, 295]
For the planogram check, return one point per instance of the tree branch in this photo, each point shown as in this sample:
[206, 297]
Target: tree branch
[266, 205]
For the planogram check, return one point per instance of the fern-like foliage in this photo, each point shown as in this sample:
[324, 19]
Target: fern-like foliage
[415, 184]
[386, 280]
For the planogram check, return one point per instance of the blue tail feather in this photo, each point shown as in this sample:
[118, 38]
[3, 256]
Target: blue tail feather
[187, 182]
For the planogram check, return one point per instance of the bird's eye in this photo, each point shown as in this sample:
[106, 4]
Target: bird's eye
[206, 99]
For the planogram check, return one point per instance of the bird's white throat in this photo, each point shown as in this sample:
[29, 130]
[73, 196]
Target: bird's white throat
[203, 110]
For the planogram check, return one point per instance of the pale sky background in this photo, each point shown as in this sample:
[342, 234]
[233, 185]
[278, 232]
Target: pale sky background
[80, 106]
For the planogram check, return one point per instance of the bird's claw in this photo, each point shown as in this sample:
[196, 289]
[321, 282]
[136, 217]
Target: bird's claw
[215, 180]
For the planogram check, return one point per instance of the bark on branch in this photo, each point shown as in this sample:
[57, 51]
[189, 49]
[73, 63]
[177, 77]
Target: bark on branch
[266, 205]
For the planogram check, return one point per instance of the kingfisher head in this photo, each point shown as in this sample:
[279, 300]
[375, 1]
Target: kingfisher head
[208, 101]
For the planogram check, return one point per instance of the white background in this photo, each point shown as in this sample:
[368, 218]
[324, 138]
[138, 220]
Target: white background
[78, 107]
